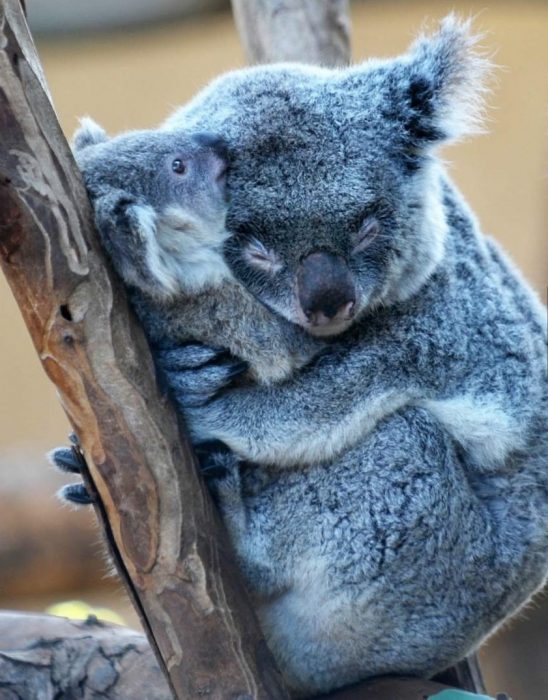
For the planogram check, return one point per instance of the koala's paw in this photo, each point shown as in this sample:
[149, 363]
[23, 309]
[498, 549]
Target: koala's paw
[189, 356]
[195, 374]
[71, 460]
[221, 469]
[75, 493]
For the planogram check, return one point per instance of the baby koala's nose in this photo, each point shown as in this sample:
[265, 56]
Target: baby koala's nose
[214, 154]
[214, 142]
[325, 289]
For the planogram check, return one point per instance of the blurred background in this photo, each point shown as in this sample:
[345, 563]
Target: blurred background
[128, 64]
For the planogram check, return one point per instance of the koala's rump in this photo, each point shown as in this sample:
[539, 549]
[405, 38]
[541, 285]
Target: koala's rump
[401, 570]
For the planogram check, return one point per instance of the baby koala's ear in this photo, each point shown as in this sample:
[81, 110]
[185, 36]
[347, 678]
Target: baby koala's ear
[89, 133]
[128, 229]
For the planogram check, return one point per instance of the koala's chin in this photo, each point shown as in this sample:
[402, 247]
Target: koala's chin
[328, 330]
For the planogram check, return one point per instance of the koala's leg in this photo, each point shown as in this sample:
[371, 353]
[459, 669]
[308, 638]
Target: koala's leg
[245, 519]
[404, 566]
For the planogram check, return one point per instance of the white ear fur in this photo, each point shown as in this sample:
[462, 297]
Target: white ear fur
[449, 71]
[147, 222]
[89, 133]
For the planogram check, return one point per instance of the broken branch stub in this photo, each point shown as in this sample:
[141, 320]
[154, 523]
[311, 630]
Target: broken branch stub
[306, 31]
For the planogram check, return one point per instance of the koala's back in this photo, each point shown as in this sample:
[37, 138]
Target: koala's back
[391, 559]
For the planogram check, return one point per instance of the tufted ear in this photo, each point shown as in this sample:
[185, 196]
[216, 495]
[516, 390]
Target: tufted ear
[89, 133]
[128, 228]
[442, 82]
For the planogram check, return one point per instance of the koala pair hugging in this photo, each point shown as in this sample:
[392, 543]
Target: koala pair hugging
[383, 398]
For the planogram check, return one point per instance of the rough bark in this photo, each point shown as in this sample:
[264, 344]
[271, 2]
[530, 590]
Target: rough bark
[46, 657]
[307, 31]
[168, 544]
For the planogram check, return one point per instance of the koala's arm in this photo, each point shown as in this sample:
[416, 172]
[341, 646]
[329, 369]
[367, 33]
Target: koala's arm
[313, 417]
[230, 317]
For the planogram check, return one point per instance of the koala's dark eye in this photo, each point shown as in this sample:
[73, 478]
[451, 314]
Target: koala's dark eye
[367, 233]
[178, 166]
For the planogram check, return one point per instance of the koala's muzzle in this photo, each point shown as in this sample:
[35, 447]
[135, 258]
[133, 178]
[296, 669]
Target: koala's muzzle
[214, 142]
[325, 289]
[213, 154]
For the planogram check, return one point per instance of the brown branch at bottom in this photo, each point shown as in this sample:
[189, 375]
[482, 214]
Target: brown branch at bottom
[93, 659]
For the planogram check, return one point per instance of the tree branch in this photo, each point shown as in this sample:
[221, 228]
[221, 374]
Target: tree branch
[307, 31]
[105, 658]
[169, 546]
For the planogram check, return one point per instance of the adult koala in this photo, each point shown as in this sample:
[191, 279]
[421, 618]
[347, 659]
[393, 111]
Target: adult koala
[393, 509]
[421, 520]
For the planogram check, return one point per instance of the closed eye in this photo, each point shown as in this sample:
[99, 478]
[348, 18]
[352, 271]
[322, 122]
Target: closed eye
[366, 235]
[256, 255]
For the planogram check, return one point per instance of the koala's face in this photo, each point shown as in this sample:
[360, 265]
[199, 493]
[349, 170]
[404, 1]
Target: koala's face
[161, 169]
[335, 194]
[160, 205]
[322, 234]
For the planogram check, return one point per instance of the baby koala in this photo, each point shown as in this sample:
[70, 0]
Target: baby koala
[160, 203]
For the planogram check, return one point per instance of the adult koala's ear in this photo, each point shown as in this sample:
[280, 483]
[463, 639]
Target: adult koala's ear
[446, 83]
[437, 89]
[445, 75]
[89, 133]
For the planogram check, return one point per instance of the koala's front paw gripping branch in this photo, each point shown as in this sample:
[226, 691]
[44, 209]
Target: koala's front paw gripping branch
[167, 542]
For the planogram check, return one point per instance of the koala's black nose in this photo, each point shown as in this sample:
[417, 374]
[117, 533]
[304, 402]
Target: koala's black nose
[214, 142]
[325, 289]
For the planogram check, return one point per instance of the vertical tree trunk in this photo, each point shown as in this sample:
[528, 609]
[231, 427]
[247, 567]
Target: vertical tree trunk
[167, 541]
[307, 31]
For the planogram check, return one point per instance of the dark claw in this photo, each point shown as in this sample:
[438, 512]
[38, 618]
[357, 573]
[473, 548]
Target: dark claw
[190, 356]
[66, 459]
[76, 493]
[238, 368]
[213, 470]
[205, 449]
[215, 458]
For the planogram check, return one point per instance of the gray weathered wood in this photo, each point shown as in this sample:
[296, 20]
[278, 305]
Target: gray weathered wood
[109, 659]
[47, 657]
[307, 31]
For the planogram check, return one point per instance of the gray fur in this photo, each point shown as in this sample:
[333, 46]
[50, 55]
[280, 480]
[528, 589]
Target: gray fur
[399, 510]
[164, 234]
[421, 520]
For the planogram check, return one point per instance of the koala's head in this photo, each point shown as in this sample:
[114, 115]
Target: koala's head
[162, 194]
[335, 202]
